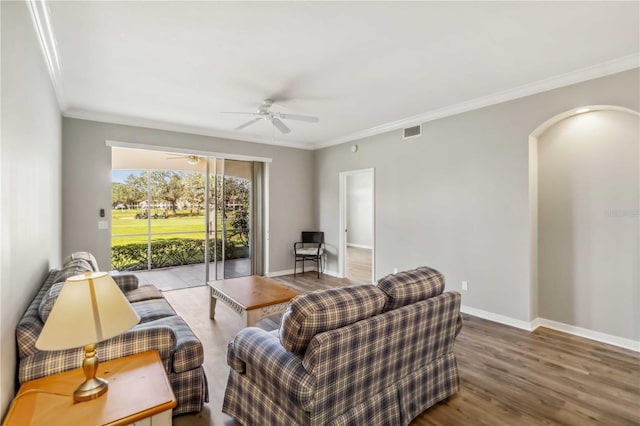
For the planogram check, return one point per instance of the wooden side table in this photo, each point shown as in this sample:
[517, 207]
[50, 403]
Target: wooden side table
[139, 393]
[254, 297]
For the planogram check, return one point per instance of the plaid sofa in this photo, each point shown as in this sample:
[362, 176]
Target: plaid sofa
[361, 355]
[159, 329]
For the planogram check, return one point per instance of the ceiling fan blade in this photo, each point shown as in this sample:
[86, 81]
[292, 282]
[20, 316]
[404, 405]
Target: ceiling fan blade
[248, 123]
[280, 125]
[238, 112]
[307, 118]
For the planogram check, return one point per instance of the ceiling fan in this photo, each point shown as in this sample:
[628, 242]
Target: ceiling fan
[191, 159]
[264, 113]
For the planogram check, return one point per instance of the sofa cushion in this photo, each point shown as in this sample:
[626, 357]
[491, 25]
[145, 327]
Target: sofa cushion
[151, 310]
[319, 311]
[49, 299]
[72, 268]
[83, 255]
[144, 292]
[411, 286]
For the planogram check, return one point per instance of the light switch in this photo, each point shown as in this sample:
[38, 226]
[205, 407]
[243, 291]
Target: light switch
[103, 224]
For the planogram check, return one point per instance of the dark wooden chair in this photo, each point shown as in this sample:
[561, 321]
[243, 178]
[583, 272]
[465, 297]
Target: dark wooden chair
[310, 248]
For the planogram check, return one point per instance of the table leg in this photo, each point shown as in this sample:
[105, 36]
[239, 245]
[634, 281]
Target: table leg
[212, 304]
[251, 318]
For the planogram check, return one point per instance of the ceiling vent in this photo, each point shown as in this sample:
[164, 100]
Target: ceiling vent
[411, 132]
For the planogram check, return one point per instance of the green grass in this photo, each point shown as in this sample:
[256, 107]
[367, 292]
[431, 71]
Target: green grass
[124, 222]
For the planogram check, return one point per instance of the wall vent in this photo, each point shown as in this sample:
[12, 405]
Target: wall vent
[412, 132]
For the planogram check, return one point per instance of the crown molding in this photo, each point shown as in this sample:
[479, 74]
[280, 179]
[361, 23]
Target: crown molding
[589, 73]
[104, 117]
[49, 47]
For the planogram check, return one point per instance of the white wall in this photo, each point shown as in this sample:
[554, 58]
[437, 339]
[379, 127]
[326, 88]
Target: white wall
[86, 183]
[457, 198]
[360, 210]
[589, 187]
[30, 179]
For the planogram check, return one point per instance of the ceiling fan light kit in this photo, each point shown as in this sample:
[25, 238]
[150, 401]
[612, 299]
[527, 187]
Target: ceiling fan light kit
[264, 113]
[191, 159]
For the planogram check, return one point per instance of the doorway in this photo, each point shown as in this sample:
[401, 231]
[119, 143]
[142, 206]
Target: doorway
[180, 220]
[357, 230]
[584, 184]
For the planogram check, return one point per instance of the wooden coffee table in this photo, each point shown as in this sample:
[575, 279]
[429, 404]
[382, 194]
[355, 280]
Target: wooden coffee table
[253, 297]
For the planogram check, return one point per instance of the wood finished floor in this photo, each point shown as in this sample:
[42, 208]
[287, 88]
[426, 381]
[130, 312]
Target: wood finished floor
[359, 265]
[508, 376]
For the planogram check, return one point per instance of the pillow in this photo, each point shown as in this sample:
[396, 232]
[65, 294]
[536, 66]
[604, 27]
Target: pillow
[84, 255]
[319, 311]
[411, 286]
[49, 299]
[71, 268]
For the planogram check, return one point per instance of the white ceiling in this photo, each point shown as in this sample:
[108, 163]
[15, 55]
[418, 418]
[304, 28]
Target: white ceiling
[361, 67]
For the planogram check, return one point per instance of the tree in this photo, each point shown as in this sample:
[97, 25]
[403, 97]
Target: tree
[240, 224]
[131, 191]
[194, 186]
[118, 196]
[166, 186]
[236, 191]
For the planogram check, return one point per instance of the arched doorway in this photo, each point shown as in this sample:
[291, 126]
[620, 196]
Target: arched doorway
[584, 186]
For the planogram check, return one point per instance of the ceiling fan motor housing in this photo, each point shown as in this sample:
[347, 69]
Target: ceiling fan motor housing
[266, 104]
[264, 113]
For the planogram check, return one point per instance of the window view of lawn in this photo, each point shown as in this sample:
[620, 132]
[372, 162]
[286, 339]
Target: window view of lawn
[173, 224]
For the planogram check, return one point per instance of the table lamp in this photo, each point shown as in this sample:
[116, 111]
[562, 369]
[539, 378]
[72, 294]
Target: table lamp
[90, 308]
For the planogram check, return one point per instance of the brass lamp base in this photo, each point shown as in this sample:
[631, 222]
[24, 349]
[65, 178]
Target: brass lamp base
[93, 387]
[90, 389]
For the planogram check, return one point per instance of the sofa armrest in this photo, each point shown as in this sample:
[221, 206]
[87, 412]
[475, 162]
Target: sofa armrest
[459, 324]
[126, 282]
[273, 369]
[233, 361]
[46, 363]
[137, 340]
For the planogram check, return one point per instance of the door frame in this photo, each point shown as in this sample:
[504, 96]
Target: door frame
[342, 230]
[209, 155]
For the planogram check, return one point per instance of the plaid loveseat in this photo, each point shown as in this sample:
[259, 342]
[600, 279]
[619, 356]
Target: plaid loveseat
[362, 355]
[159, 329]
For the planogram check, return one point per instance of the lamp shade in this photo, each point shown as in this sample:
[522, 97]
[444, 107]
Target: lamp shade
[90, 308]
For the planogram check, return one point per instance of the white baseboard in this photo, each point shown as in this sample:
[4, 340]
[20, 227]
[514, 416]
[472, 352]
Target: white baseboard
[362, 246]
[566, 328]
[598, 336]
[332, 273]
[279, 273]
[502, 319]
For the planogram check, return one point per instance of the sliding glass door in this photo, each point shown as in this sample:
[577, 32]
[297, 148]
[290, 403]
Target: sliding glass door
[174, 210]
[229, 213]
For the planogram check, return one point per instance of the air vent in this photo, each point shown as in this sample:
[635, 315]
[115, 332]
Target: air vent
[412, 132]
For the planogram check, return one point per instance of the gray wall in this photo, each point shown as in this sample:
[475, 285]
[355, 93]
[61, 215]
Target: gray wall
[588, 189]
[360, 209]
[86, 183]
[456, 198]
[30, 179]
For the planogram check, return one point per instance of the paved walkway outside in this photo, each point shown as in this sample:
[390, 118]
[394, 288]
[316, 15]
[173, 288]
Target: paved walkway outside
[178, 277]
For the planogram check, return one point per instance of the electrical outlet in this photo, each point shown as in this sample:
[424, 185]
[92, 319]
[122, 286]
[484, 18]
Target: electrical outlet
[465, 285]
[103, 224]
